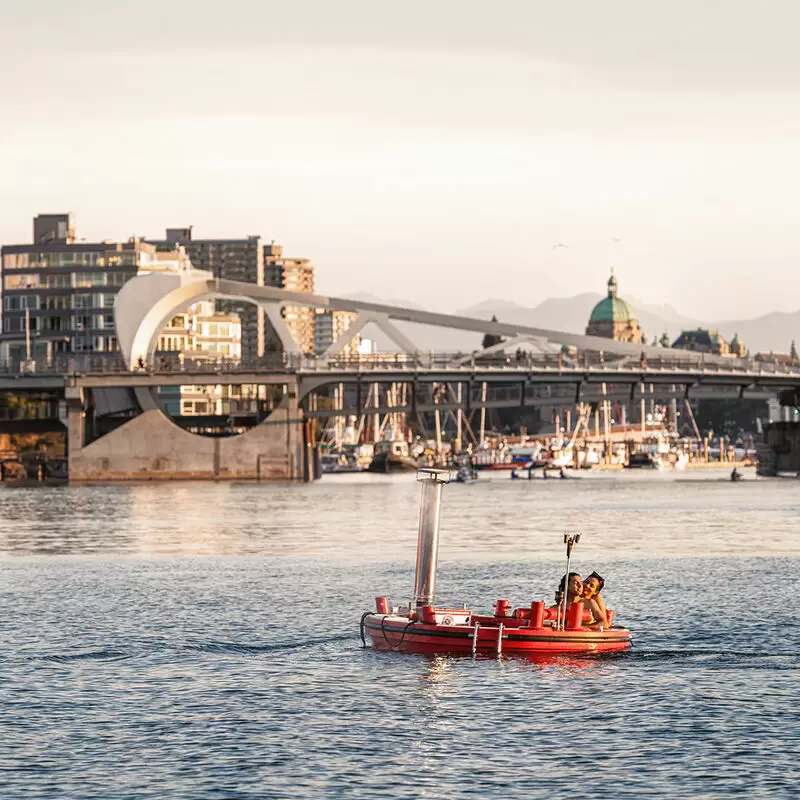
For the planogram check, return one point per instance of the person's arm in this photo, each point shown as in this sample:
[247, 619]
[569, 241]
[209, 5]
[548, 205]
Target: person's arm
[598, 598]
[599, 618]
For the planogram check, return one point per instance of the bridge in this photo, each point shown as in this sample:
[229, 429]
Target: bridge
[531, 367]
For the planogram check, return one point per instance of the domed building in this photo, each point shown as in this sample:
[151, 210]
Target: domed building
[613, 318]
[705, 341]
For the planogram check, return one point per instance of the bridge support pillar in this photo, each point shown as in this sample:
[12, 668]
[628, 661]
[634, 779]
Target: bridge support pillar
[151, 447]
[76, 421]
[779, 452]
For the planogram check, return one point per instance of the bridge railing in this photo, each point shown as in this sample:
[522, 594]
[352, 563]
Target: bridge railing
[376, 363]
[552, 362]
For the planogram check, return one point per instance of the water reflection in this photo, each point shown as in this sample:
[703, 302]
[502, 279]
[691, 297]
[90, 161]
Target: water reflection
[349, 516]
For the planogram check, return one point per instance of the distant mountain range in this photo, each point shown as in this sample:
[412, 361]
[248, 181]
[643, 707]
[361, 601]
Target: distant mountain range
[770, 332]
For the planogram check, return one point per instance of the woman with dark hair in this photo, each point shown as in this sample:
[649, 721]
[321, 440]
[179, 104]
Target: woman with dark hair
[593, 600]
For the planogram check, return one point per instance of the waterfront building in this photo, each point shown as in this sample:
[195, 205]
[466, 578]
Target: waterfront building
[201, 333]
[248, 259]
[294, 275]
[329, 325]
[713, 342]
[613, 318]
[58, 291]
[232, 259]
[782, 359]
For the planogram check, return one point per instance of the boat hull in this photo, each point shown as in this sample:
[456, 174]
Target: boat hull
[391, 462]
[390, 632]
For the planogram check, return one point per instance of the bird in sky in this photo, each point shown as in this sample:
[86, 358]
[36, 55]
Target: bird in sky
[556, 246]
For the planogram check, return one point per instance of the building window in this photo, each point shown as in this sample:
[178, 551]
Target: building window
[12, 282]
[85, 280]
[56, 323]
[21, 302]
[56, 302]
[15, 261]
[57, 281]
[104, 300]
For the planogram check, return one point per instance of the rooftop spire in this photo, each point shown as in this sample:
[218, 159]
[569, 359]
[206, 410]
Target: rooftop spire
[612, 284]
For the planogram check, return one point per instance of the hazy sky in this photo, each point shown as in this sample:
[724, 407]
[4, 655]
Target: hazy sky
[429, 151]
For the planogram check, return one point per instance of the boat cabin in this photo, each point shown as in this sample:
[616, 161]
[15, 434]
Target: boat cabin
[396, 447]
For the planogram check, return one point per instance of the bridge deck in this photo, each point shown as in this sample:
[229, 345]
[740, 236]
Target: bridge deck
[315, 372]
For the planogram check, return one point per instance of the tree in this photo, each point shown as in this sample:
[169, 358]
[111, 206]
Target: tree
[793, 352]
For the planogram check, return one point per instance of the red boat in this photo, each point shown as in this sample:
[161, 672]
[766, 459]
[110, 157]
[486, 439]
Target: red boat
[421, 627]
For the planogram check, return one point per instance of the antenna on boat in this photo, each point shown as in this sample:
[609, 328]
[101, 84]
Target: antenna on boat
[570, 540]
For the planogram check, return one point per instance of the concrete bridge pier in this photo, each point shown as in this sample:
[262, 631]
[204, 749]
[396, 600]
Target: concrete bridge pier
[76, 417]
[779, 452]
[151, 447]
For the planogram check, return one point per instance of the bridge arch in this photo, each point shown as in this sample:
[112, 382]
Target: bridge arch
[145, 305]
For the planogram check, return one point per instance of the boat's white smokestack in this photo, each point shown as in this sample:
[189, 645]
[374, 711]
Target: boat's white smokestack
[432, 480]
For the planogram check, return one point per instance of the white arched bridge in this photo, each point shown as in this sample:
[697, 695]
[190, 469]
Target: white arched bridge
[530, 367]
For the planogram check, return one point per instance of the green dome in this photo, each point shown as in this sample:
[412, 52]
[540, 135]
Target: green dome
[612, 309]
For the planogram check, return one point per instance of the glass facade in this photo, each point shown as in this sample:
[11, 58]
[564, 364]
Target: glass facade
[67, 293]
[61, 260]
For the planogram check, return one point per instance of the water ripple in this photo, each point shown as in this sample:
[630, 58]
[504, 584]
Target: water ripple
[201, 643]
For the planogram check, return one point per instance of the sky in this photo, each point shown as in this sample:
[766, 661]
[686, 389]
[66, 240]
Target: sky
[439, 152]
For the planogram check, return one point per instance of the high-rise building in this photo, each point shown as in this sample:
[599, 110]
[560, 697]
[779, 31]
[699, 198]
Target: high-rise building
[294, 275]
[58, 293]
[329, 325]
[231, 259]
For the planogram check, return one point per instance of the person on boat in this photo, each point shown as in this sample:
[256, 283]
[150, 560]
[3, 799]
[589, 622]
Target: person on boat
[574, 588]
[575, 592]
[593, 600]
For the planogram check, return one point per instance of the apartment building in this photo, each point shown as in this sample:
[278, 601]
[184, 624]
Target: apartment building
[329, 325]
[58, 291]
[201, 333]
[232, 259]
[294, 275]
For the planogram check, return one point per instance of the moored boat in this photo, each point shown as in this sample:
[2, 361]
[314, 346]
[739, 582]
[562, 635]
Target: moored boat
[351, 458]
[392, 456]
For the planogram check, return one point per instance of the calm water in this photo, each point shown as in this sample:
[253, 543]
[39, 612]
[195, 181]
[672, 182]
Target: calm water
[201, 641]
